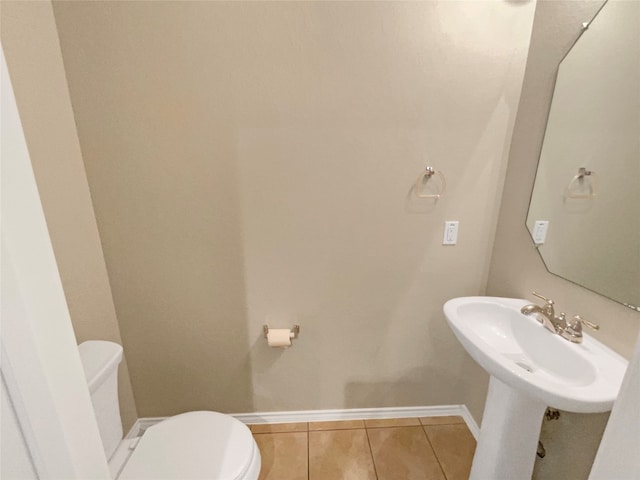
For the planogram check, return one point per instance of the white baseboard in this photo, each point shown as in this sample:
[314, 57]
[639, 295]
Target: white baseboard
[332, 415]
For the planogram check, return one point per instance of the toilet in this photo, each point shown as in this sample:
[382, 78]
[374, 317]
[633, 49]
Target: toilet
[194, 445]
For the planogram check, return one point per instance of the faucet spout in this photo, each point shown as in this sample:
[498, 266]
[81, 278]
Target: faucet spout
[530, 309]
[541, 314]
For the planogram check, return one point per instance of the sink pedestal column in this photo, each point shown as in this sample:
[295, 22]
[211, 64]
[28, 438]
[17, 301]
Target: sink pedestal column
[508, 436]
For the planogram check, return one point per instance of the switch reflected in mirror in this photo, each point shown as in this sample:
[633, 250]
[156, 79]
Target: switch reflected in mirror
[540, 231]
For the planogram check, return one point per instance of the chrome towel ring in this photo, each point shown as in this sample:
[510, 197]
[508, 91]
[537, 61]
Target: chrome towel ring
[424, 177]
[579, 178]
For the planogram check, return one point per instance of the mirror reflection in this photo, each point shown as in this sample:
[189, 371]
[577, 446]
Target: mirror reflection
[584, 214]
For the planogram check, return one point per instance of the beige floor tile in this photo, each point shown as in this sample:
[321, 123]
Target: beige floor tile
[392, 422]
[339, 425]
[340, 455]
[403, 453]
[454, 446]
[279, 427]
[447, 420]
[284, 456]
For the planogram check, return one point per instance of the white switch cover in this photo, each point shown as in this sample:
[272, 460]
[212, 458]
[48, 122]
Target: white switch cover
[540, 231]
[450, 233]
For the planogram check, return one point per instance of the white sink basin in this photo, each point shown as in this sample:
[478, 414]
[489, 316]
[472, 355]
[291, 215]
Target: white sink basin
[531, 368]
[519, 351]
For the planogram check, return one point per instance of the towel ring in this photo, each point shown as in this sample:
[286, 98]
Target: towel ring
[428, 173]
[583, 172]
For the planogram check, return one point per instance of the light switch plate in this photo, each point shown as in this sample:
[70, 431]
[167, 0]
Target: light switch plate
[540, 231]
[450, 233]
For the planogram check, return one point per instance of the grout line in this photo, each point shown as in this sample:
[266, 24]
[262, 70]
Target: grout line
[338, 429]
[373, 460]
[392, 426]
[435, 454]
[308, 454]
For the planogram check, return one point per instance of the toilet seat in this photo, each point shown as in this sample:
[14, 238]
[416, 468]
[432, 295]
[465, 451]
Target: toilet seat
[195, 445]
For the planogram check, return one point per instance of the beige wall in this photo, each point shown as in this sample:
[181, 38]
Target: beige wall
[516, 268]
[255, 159]
[32, 50]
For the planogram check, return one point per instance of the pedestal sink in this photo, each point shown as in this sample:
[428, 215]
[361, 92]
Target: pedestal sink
[531, 369]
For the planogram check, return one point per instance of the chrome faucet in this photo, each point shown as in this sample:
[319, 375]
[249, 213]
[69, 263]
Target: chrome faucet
[546, 314]
[557, 323]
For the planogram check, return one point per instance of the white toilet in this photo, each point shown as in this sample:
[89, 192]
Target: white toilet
[194, 445]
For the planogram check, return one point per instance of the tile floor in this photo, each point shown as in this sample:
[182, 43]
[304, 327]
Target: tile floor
[434, 448]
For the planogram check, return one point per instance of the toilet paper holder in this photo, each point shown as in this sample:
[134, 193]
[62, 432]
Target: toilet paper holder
[295, 330]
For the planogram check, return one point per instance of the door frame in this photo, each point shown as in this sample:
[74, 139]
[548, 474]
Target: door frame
[39, 357]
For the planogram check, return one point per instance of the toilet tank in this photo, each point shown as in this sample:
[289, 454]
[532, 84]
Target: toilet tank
[100, 360]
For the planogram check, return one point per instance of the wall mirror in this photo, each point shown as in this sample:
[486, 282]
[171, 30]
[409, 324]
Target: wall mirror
[584, 214]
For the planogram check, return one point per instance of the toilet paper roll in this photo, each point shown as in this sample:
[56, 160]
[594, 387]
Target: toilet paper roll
[279, 337]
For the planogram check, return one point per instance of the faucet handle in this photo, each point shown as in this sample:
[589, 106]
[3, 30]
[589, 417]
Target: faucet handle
[542, 297]
[577, 319]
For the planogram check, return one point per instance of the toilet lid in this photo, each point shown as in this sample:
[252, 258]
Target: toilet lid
[194, 445]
